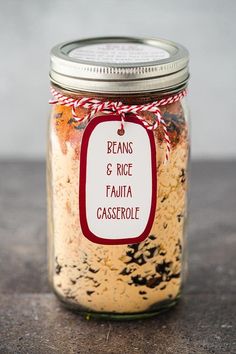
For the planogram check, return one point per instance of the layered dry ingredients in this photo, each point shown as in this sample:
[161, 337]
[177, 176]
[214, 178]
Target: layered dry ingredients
[131, 278]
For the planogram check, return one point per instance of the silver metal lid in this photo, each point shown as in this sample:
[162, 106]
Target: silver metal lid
[119, 65]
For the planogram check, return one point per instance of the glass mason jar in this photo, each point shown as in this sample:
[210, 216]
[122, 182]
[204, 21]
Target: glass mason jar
[117, 179]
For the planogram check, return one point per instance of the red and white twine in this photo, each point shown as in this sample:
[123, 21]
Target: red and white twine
[94, 106]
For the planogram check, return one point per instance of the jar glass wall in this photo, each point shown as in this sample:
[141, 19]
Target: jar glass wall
[128, 280]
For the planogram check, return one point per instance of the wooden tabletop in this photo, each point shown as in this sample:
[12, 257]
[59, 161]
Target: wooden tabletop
[33, 321]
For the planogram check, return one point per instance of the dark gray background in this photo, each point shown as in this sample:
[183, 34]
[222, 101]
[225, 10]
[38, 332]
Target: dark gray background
[32, 320]
[28, 29]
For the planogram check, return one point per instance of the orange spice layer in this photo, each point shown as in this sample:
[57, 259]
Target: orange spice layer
[124, 278]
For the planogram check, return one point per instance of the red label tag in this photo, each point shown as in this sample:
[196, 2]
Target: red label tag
[118, 186]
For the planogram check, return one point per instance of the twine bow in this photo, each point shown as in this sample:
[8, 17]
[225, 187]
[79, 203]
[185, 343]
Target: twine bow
[117, 107]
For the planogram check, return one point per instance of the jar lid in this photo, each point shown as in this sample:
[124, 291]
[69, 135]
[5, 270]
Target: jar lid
[119, 65]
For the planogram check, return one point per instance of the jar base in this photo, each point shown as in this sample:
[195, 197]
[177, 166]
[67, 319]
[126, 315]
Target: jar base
[125, 316]
[155, 310]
